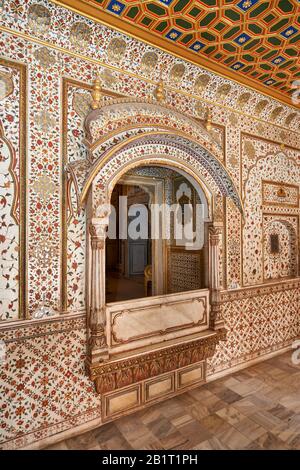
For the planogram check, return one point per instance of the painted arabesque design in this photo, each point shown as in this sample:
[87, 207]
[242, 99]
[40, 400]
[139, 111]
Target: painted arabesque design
[151, 130]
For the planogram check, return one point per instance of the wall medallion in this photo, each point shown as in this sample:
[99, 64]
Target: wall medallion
[44, 57]
[276, 113]
[44, 120]
[201, 83]
[261, 105]
[223, 91]
[80, 34]
[116, 50]
[39, 18]
[177, 72]
[44, 186]
[290, 118]
[149, 61]
[242, 100]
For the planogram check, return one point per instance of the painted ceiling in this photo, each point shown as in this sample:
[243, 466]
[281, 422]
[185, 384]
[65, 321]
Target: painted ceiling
[255, 42]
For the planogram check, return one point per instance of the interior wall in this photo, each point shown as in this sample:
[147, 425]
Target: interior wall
[46, 73]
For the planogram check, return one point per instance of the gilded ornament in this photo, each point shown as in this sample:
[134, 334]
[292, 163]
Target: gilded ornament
[44, 186]
[97, 94]
[276, 113]
[201, 83]
[177, 72]
[200, 109]
[223, 91]
[44, 57]
[233, 119]
[108, 78]
[149, 61]
[243, 100]
[290, 118]
[260, 128]
[80, 34]
[82, 103]
[44, 120]
[281, 192]
[39, 18]
[249, 149]
[208, 124]
[6, 85]
[159, 92]
[116, 50]
[259, 108]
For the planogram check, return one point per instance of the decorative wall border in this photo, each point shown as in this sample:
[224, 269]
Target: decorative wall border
[90, 11]
[23, 307]
[97, 62]
[258, 290]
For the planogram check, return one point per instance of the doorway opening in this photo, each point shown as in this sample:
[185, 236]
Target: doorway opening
[146, 254]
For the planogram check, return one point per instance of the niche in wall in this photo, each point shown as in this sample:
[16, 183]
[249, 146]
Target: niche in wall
[280, 250]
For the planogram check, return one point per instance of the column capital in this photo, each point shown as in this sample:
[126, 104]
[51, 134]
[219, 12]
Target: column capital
[215, 231]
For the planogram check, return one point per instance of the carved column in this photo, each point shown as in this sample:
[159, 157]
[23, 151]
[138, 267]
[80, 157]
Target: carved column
[97, 344]
[216, 320]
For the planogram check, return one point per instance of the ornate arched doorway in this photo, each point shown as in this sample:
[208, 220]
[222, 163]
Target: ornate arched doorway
[123, 355]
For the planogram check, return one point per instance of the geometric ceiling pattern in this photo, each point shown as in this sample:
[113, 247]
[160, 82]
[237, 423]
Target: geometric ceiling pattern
[250, 38]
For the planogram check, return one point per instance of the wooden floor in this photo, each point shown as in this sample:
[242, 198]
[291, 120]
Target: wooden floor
[257, 408]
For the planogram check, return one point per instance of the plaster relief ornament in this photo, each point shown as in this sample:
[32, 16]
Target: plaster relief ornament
[201, 83]
[260, 128]
[260, 107]
[39, 18]
[290, 118]
[44, 120]
[44, 252]
[149, 61]
[44, 186]
[108, 78]
[176, 73]
[233, 119]
[82, 103]
[80, 35]
[116, 50]
[6, 85]
[276, 113]
[44, 57]
[249, 149]
[200, 109]
[159, 92]
[223, 91]
[242, 100]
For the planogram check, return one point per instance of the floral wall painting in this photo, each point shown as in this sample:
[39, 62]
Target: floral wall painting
[50, 58]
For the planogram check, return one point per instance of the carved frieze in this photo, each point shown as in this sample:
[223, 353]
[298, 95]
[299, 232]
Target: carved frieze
[114, 375]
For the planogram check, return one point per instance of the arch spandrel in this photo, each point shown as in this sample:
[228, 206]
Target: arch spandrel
[127, 130]
[130, 113]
